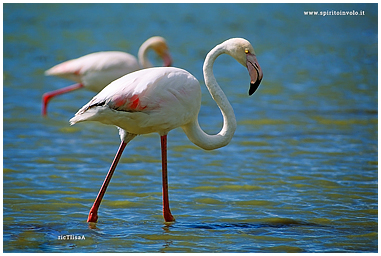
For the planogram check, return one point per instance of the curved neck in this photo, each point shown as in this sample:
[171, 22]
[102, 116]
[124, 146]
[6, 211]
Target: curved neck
[193, 129]
[142, 55]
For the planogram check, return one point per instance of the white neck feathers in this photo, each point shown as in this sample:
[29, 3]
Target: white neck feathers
[193, 129]
[142, 55]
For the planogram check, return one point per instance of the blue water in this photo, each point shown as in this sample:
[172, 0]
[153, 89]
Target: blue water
[300, 175]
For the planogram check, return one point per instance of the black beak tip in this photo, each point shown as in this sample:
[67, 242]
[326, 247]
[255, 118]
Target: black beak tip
[253, 87]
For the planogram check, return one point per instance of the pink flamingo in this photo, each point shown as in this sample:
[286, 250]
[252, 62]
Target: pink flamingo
[161, 99]
[96, 70]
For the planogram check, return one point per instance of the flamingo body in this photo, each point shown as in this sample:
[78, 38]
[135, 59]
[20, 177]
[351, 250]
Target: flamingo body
[150, 100]
[96, 70]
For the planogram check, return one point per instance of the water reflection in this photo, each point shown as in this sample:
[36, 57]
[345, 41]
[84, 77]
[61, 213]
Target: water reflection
[270, 223]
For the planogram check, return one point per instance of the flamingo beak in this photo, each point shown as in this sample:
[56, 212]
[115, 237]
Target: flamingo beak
[255, 72]
[167, 59]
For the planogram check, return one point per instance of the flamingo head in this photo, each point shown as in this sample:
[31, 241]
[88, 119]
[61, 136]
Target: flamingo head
[159, 45]
[244, 53]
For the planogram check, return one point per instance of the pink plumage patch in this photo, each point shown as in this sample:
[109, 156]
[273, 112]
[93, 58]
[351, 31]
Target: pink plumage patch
[128, 104]
[119, 101]
[135, 102]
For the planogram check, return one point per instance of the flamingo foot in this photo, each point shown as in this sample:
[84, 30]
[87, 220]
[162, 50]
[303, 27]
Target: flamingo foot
[168, 217]
[93, 216]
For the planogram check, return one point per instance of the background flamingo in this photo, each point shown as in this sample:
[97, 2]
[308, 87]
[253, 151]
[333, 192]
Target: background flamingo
[164, 98]
[96, 70]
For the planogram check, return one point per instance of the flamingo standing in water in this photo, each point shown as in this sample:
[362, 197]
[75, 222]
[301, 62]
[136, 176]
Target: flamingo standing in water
[96, 70]
[161, 99]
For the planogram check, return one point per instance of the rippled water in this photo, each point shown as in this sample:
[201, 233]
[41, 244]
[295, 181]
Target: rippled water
[300, 174]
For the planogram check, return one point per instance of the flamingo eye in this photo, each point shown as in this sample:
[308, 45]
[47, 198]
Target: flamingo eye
[247, 51]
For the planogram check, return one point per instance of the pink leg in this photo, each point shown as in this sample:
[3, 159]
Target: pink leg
[93, 214]
[166, 211]
[48, 95]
